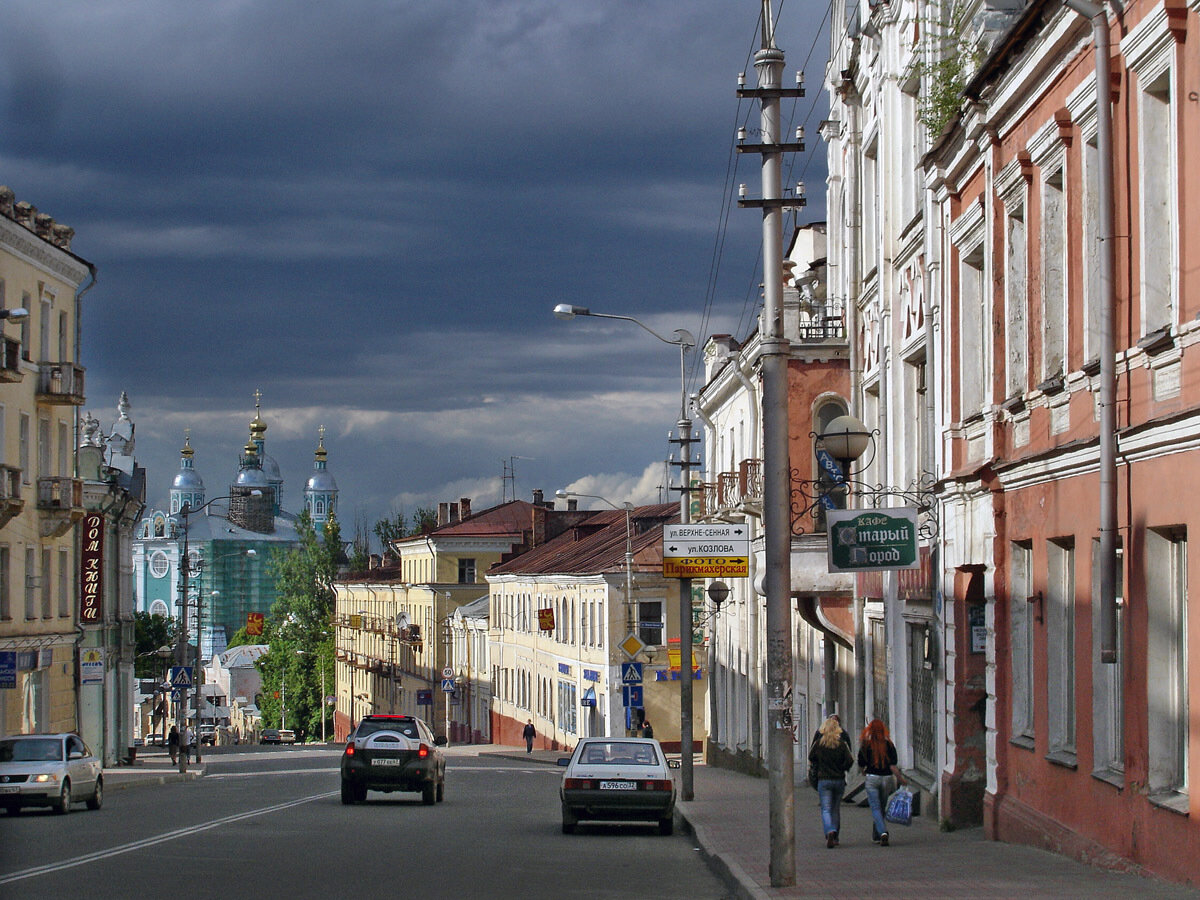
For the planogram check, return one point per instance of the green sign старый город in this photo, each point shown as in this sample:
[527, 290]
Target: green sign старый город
[868, 540]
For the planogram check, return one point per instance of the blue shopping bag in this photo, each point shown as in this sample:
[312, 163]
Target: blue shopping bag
[899, 807]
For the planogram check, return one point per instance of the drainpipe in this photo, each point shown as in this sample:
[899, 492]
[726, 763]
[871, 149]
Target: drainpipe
[1108, 365]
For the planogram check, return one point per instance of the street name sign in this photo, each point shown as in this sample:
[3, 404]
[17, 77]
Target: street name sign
[706, 551]
[872, 540]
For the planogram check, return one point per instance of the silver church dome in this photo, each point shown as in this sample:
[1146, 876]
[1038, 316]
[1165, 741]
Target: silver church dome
[320, 482]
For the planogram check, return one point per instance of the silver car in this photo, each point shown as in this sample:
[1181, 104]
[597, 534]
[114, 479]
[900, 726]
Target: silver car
[52, 770]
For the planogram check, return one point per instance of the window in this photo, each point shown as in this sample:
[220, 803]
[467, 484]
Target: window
[1166, 665]
[1021, 618]
[972, 328]
[64, 579]
[913, 430]
[47, 601]
[1060, 648]
[23, 448]
[65, 467]
[1158, 221]
[1016, 301]
[870, 202]
[466, 571]
[650, 622]
[1093, 298]
[1054, 276]
[5, 597]
[1108, 701]
[567, 707]
[44, 448]
[158, 564]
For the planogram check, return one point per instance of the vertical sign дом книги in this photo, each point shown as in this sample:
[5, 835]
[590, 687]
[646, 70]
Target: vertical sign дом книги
[91, 566]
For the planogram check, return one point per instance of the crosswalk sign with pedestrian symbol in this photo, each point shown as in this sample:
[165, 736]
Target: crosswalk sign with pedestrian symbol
[181, 676]
[631, 673]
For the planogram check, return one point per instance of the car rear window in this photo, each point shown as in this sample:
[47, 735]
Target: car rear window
[406, 727]
[36, 750]
[618, 753]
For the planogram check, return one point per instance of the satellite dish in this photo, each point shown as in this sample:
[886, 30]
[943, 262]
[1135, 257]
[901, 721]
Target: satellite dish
[401, 619]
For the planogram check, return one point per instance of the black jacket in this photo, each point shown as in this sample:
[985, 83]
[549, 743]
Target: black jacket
[831, 763]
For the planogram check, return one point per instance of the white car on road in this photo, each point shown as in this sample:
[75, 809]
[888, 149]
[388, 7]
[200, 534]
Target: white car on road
[52, 770]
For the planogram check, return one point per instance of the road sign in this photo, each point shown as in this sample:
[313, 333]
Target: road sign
[631, 696]
[181, 676]
[448, 685]
[8, 669]
[706, 551]
[872, 540]
[830, 466]
[447, 672]
[424, 697]
[177, 694]
[632, 645]
[631, 673]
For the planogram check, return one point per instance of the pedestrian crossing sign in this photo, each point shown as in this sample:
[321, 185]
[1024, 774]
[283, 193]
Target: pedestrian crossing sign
[181, 676]
[631, 673]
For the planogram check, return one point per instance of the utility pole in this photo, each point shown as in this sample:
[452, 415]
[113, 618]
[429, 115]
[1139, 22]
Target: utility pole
[686, 685]
[777, 525]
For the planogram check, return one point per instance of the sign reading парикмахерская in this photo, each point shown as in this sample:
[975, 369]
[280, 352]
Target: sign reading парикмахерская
[871, 540]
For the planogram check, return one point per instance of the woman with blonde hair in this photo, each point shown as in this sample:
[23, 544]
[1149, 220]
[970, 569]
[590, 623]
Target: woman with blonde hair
[830, 756]
[877, 758]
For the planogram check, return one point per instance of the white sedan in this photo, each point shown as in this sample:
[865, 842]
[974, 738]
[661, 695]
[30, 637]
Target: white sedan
[618, 780]
[52, 770]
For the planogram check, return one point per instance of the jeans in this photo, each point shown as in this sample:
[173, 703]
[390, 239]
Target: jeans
[878, 789]
[830, 791]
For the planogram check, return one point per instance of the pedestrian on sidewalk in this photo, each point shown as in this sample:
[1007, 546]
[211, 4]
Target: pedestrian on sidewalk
[831, 757]
[877, 758]
[173, 744]
[529, 734]
[189, 741]
[647, 729]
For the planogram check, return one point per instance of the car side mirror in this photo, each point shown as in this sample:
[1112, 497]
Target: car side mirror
[74, 754]
[439, 741]
[563, 761]
[674, 764]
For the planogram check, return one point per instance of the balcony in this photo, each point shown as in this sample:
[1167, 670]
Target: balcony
[734, 494]
[60, 384]
[60, 504]
[10, 365]
[11, 503]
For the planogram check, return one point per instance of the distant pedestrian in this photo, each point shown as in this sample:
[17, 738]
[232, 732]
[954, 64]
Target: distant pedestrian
[189, 741]
[831, 759]
[647, 729]
[529, 734]
[877, 758]
[173, 744]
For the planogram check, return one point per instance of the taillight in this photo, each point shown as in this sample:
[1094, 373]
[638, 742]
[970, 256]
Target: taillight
[577, 784]
[349, 749]
[656, 785]
[423, 751]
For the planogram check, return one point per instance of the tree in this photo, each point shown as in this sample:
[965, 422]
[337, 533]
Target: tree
[424, 520]
[360, 547]
[299, 631]
[152, 631]
[388, 530]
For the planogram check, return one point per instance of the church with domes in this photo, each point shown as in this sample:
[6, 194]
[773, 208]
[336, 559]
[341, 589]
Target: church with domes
[229, 538]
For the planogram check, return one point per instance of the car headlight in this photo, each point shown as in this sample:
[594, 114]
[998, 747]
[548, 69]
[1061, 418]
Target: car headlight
[42, 779]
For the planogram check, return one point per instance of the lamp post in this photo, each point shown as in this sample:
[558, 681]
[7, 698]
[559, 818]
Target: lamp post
[684, 341]
[19, 314]
[185, 571]
[630, 619]
[321, 667]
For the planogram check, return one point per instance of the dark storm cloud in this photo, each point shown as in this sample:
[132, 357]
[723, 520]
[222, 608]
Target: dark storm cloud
[367, 210]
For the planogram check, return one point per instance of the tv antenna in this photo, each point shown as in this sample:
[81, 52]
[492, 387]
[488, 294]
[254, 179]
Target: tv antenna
[508, 476]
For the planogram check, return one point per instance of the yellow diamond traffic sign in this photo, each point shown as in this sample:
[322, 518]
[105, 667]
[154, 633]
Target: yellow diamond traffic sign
[632, 645]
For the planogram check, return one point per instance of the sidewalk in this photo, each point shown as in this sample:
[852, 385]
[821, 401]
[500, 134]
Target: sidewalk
[730, 820]
[151, 766]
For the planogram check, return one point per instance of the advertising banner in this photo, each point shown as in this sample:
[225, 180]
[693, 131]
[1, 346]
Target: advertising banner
[91, 571]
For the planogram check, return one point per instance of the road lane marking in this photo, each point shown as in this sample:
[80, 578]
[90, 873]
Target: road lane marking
[158, 839]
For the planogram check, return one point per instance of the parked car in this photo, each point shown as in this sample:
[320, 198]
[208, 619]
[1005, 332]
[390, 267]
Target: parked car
[52, 770]
[208, 734]
[287, 736]
[269, 736]
[618, 780]
[393, 753]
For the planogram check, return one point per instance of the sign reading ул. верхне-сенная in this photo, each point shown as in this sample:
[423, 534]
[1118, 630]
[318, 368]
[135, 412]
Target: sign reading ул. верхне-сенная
[869, 540]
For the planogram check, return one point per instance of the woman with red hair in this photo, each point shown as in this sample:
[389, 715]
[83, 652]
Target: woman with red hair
[877, 758]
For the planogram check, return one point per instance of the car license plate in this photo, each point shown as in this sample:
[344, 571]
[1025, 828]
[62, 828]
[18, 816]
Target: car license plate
[618, 786]
[385, 762]
[9, 789]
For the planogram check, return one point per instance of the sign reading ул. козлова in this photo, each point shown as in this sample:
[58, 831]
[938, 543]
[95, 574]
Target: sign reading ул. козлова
[867, 540]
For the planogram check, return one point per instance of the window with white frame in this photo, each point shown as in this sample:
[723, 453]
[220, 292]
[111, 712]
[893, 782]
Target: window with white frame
[972, 330]
[1060, 648]
[568, 707]
[1021, 619]
[31, 583]
[1016, 301]
[64, 580]
[650, 622]
[1167, 663]
[1054, 275]
[45, 584]
[23, 447]
[1093, 296]
[1157, 218]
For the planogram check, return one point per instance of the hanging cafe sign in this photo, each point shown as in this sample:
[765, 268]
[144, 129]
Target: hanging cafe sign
[872, 540]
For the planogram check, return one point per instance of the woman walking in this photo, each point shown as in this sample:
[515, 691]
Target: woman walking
[877, 758]
[831, 757]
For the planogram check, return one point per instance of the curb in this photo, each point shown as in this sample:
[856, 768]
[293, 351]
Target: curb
[117, 780]
[726, 869]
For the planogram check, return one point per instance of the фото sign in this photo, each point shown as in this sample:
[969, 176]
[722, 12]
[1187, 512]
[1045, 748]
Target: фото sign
[706, 551]
[869, 540]
[91, 570]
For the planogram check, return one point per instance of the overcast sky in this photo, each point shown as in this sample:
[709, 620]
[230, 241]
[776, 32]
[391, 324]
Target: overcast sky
[367, 209]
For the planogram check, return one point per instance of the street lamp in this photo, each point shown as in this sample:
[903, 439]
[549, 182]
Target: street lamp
[185, 571]
[684, 341]
[630, 619]
[19, 314]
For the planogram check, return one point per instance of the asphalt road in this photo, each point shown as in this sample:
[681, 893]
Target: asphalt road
[268, 822]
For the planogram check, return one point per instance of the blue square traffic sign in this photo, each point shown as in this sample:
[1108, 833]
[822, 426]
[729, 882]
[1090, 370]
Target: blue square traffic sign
[631, 673]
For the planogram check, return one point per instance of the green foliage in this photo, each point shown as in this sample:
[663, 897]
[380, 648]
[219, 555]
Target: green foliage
[424, 521]
[947, 59]
[150, 633]
[388, 530]
[360, 547]
[299, 630]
